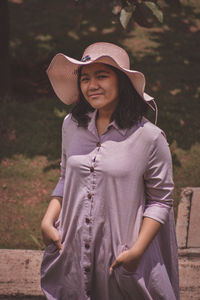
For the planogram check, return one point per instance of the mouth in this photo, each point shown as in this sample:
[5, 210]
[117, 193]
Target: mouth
[95, 95]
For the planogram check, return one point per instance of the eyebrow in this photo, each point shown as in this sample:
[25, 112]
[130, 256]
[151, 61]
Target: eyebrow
[96, 73]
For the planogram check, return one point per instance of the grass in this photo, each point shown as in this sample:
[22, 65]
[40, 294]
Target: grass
[31, 142]
[30, 123]
[25, 189]
[186, 171]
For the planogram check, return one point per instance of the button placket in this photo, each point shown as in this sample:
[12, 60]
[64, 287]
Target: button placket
[93, 168]
[87, 236]
[87, 267]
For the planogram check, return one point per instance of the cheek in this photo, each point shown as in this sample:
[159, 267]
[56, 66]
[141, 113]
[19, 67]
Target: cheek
[114, 88]
[83, 90]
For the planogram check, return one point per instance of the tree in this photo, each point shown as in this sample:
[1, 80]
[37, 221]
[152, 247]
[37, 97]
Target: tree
[4, 50]
[144, 12]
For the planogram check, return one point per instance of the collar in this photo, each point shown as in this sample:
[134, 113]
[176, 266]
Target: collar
[121, 131]
[92, 124]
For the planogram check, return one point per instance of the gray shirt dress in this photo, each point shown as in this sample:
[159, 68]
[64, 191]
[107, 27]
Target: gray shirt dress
[109, 183]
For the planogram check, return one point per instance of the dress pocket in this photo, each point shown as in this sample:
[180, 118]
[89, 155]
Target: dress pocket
[127, 281]
[121, 269]
[51, 253]
[125, 272]
[51, 248]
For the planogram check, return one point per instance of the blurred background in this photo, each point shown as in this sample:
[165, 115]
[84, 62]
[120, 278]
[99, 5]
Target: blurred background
[163, 40]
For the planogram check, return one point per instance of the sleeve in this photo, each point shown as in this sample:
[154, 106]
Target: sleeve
[158, 180]
[59, 189]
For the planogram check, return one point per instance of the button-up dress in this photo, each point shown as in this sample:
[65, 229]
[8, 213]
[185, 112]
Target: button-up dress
[109, 183]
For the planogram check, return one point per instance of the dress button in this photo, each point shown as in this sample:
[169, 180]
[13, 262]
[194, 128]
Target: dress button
[87, 246]
[88, 293]
[89, 196]
[87, 220]
[87, 269]
[98, 144]
[91, 169]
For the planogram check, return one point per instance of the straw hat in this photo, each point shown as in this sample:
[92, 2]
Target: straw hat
[62, 71]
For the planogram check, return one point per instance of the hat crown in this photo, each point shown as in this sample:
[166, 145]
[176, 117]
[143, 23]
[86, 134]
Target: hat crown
[97, 50]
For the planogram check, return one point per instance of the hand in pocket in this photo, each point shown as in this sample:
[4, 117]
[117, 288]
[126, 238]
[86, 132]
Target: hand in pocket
[129, 259]
[51, 235]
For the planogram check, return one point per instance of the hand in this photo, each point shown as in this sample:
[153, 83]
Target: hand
[129, 259]
[51, 235]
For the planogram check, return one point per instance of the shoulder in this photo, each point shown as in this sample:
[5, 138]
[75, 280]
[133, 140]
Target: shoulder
[68, 118]
[156, 140]
[69, 121]
[151, 132]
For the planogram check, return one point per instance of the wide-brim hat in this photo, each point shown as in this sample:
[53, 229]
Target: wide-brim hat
[62, 71]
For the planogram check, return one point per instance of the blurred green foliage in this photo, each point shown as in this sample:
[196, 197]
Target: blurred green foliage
[30, 121]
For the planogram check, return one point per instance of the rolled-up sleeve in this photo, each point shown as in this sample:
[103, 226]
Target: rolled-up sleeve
[159, 181]
[59, 189]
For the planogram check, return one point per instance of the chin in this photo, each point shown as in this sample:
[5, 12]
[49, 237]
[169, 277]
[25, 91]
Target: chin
[96, 105]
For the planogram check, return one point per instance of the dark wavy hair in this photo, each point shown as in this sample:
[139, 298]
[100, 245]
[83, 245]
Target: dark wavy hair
[130, 108]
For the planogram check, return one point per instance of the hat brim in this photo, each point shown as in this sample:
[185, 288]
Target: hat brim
[62, 73]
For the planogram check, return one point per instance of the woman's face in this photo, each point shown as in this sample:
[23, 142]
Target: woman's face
[99, 85]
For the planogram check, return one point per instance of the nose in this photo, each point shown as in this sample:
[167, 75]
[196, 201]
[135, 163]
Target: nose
[93, 84]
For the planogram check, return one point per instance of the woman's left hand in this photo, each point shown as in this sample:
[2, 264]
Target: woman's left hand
[129, 259]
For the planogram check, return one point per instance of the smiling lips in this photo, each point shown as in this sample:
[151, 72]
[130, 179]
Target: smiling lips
[95, 95]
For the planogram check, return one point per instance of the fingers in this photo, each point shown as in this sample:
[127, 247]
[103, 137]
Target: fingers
[48, 233]
[115, 265]
[51, 235]
[58, 244]
[123, 259]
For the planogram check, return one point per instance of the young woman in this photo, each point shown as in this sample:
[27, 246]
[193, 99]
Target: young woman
[109, 228]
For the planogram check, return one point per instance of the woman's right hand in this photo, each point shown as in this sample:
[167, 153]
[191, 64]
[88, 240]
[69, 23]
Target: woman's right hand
[49, 232]
[50, 235]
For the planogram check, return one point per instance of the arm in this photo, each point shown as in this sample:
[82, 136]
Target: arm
[49, 232]
[158, 180]
[158, 189]
[131, 258]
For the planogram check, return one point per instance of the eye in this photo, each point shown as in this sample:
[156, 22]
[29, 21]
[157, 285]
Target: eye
[84, 79]
[102, 76]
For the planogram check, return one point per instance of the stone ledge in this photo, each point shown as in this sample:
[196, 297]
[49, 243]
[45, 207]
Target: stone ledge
[189, 271]
[20, 275]
[187, 225]
[189, 252]
[21, 297]
[189, 243]
[20, 269]
[20, 272]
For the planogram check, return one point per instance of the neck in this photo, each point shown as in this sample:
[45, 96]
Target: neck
[104, 114]
[102, 120]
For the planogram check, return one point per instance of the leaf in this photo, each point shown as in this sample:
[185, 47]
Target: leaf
[116, 9]
[126, 14]
[155, 10]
